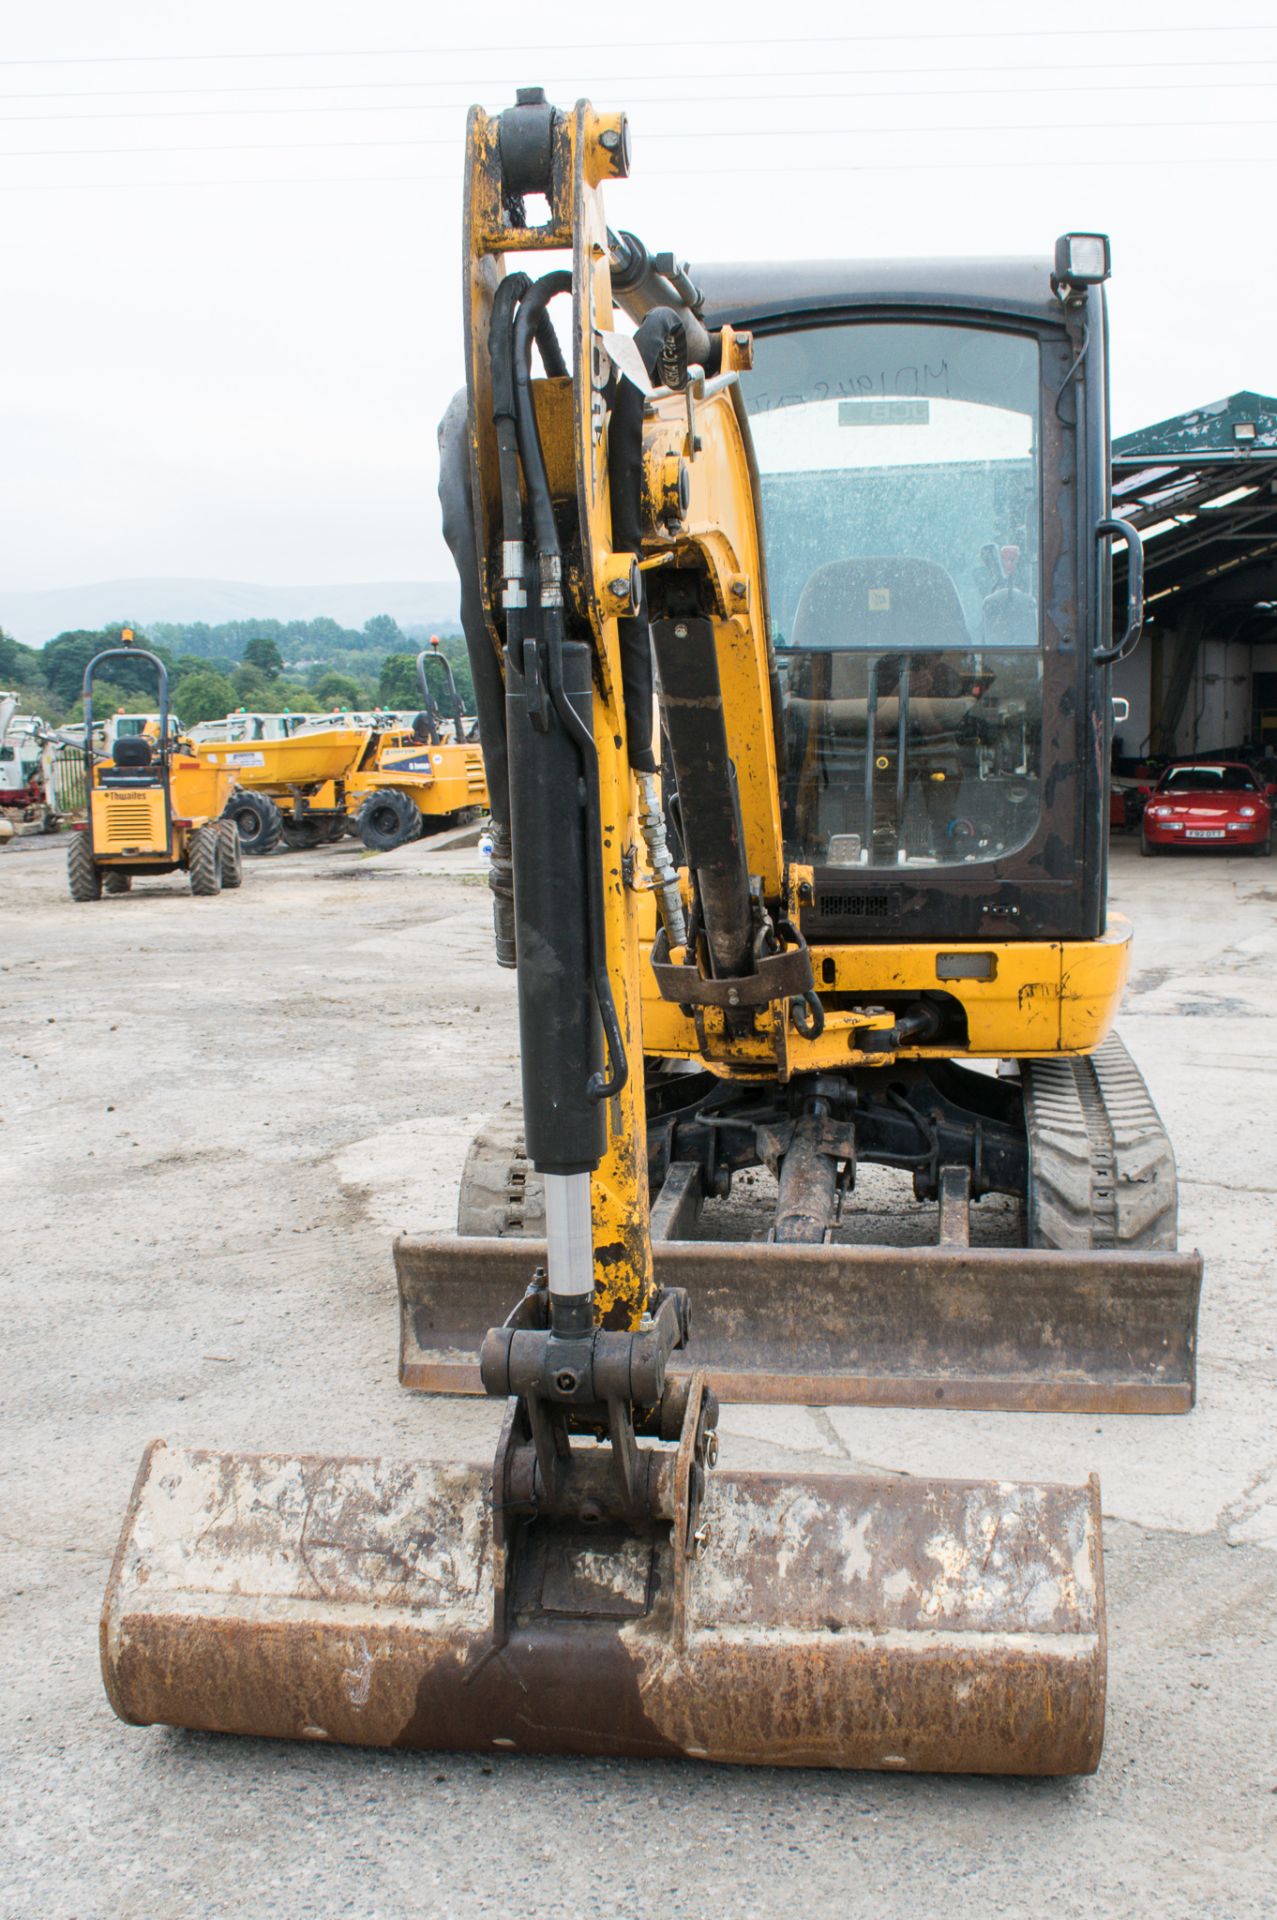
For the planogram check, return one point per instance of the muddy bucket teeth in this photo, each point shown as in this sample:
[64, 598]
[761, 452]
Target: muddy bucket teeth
[819, 1620]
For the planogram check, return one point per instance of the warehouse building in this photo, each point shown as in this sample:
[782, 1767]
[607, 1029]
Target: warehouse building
[1202, 490]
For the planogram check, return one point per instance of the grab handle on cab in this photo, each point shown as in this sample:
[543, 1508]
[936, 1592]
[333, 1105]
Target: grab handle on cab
[1124, 530]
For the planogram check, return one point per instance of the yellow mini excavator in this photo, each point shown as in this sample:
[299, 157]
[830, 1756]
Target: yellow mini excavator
[788, 612]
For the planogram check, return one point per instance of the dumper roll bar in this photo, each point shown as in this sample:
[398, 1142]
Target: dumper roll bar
[122, 653]
[432, 653]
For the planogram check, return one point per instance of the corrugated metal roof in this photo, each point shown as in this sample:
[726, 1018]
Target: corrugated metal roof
[1245, 423]
[1201, 488]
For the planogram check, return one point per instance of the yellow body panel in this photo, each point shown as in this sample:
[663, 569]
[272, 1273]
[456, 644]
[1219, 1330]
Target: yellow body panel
[131, 824]
[1092, 981]
[302, 760]
[199, 791]
[1040, 997]
[439, 780]
[128, 821]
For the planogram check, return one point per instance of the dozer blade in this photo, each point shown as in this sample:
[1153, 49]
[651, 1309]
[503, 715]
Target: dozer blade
[830, 1621]
[999, 1328]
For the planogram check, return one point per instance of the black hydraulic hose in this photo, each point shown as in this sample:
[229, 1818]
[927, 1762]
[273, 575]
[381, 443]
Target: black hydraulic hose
[514, 597]
[625, 471]
[549, 349]
[527, 322]
[501, 359]
[550, 573]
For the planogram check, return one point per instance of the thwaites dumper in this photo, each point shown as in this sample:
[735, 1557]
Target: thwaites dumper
[422, 779]
[385, 785]
[843, 530]
[152, 807]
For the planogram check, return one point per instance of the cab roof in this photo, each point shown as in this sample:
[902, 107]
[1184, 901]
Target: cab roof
[749, 293]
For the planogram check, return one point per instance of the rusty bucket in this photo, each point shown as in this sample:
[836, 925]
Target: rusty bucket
[818, 1621]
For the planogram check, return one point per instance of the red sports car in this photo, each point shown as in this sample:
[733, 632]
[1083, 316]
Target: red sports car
[1208, 803]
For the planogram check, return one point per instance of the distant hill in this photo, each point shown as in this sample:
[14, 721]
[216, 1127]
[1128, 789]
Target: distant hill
[34, 618]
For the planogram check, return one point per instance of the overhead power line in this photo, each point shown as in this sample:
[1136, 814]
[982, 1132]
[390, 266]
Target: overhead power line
[709, 100]
[489, 87]
[541, 50]
[1066, 163]
[742, 133]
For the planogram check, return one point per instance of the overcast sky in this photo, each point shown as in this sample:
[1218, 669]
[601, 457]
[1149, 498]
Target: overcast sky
[230, 309]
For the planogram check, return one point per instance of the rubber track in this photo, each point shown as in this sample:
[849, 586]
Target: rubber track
[1101, 1167]
[501, 1192]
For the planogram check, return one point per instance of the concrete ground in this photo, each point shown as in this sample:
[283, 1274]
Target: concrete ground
[215, 1115]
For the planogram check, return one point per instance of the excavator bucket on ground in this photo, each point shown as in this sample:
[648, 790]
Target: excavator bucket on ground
[818, 1621]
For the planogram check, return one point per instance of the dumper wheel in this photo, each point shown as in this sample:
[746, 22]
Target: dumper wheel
[84, 875]
[258, 820]
[388, 819]
[204, 861]
[502, 1194]
[1101, 1168]
[113, 881]
[232, 854]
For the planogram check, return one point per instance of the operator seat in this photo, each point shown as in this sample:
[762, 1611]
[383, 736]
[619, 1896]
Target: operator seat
[852, 611]
[850, 614]
[134, 764]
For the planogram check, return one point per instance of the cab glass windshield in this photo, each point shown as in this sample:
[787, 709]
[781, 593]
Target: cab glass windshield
[901, 485]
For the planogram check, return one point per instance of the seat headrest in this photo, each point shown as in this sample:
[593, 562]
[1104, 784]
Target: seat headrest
[887, 605]
[134, 750]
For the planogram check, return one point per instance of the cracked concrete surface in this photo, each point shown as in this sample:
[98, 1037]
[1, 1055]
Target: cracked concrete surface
[216, 1113]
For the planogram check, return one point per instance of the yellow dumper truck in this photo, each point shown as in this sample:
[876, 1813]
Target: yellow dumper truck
[387, 785]
[153, 807]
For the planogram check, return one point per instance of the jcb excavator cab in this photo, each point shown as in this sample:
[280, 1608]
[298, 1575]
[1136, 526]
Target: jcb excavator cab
[153, 806]
[931, 441]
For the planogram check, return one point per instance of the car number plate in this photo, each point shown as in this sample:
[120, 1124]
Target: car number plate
[1204, 833]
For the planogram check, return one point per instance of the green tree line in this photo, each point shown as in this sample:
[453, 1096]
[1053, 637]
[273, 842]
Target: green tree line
[265, 665]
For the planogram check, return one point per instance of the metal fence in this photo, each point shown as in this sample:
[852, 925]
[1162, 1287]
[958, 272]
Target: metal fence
[67, 794]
